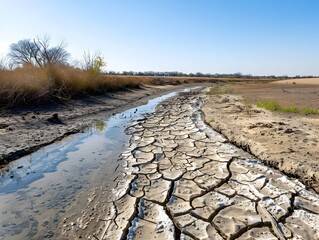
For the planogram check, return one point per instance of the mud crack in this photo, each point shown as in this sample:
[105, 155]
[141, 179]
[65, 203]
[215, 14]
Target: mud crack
[186, 181]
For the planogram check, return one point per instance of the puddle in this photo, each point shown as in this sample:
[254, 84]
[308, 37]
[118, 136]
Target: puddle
[36, 189]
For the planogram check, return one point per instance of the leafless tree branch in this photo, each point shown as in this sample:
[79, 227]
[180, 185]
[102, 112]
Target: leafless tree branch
[38, 52]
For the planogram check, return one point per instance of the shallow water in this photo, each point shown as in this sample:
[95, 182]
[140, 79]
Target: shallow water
[36, 189]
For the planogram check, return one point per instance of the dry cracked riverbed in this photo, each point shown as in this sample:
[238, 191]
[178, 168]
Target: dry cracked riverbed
[183, 180]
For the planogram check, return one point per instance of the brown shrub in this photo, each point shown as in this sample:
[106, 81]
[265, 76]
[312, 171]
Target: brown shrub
[23, 85]
[30, 85]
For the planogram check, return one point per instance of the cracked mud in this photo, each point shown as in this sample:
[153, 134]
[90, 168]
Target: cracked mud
[185, 181]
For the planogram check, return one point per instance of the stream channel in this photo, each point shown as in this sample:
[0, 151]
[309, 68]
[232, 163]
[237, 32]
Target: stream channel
[36, 190]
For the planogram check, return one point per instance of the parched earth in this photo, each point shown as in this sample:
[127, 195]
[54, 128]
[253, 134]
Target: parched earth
[183, 180]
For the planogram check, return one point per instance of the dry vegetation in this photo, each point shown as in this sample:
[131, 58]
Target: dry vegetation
[30, 85]
[33, 85]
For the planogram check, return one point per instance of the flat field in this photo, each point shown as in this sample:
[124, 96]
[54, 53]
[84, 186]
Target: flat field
[302, 93]
[285, 137]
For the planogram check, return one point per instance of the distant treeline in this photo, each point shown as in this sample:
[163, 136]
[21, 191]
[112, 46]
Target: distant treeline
[199, 74]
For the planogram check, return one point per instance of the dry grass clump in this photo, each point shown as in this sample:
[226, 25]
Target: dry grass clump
[221, 89]
[33, 85]
[23, 85]
[78, 81]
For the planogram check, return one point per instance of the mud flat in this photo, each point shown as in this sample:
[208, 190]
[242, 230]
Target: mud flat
[184, 180]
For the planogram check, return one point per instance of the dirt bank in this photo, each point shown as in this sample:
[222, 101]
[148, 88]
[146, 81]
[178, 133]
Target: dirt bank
[25, 130]
[286, 141]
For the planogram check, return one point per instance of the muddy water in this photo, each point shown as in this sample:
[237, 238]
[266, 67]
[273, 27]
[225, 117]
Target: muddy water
[36, 190]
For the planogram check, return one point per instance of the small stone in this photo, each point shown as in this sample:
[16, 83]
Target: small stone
[49, 234]
[54, 119]
[288, 130]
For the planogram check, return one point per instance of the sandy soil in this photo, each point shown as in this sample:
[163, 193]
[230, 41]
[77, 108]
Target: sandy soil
[286, 141]
[299, 95]
[310, 81]
[25, 130]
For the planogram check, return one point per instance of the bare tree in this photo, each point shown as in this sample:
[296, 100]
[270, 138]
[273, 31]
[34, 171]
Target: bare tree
[88, 60]
[37, 52]
[24, 52]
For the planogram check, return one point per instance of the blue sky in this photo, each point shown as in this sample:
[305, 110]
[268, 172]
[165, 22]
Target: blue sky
[260, 37]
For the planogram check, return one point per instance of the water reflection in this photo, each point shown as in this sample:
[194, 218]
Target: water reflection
[100, 126]
[36, 189]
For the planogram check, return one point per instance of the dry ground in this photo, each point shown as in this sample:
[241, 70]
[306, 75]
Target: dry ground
[310, 81]
[287, 141]
[301, 94]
